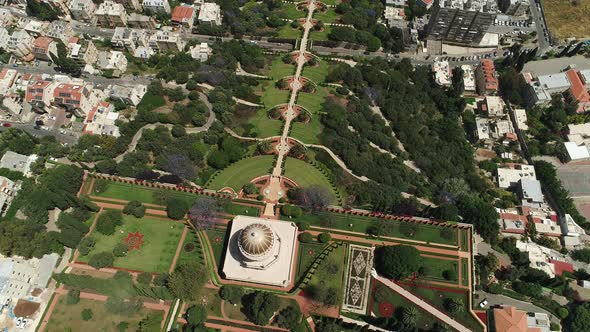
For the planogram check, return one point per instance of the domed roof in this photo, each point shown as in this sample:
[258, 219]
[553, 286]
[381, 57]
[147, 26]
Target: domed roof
[256, 240]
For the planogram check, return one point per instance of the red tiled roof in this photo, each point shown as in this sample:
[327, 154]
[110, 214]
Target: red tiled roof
[561, 267]
[73, 40]
[182, 14]
[577, 88]
[42, 42]
[3, 73]
[32, 90]
[488, 69]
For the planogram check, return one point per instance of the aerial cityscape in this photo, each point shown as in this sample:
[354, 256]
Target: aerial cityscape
[275, 165]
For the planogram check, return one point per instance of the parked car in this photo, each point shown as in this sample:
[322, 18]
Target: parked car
[6, 124]
[483, 303]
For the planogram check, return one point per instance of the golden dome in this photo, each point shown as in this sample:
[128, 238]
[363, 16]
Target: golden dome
[256, 240]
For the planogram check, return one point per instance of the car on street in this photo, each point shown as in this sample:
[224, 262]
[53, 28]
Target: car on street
[483, 303]
[6, 124]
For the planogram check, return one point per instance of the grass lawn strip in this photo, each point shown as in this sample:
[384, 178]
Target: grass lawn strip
[331, 270]
[305, 174]
[360, 224]
[241, 172]
[437, 266]
[155, 255]
[307, 254]
[217, 240]
[196, 254]
[69, 317]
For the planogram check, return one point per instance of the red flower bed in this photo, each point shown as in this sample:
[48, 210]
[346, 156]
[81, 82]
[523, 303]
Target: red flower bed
[386, 309]
[133, 241]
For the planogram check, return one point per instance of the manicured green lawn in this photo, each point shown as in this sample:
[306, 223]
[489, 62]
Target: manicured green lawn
[437, 298]
[305, 174]
[290, 11]
[329, 272]
[307, 253]
[465, 270]
[286, 31]
[188, 255]
[129, 192]
[241, 172]
[428, 233]
[69, 317]
[321, 35]
[209, 297]
[329, 16]
[317, 73]
[161, 239]
[217, 239]
[309, 132]
[436, 267]
[278, 69]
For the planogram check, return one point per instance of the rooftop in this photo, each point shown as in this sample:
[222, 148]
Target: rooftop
[183, 14]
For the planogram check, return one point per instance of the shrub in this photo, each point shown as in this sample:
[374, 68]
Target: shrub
[86, 314]
[250, 188]
[324, 237]
[397, 262]
[303, 225]
[144, 278]
[231, 293]
[108, 221]
[562, 312]
[260, 197]
[176, 208]
[134, 208]
[101, 259]
[305, 237]
[73, 296]
[86, 245]
[120, 250]
[291, 211]
[261, 306]
[196, 315]
[450, 275]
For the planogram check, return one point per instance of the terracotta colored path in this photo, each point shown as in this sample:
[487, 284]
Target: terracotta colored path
[178, 249]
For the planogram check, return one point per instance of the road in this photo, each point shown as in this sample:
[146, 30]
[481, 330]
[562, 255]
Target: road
[30, 128]
[44, 68]
[539, 19]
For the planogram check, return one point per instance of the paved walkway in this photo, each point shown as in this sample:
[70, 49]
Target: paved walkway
[422, 304]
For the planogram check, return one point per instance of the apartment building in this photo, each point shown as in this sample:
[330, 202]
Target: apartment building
[157, 6]
[82, 10]
[44, 48]
[111, 14]
[486, 78]
[167, 39]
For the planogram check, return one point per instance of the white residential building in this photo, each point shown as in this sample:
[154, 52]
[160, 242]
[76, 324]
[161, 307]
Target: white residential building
[130, 95]
[482, 128]
[157, 6]
[210, 13]
[442, 73]
[60, 30]
[19, 276]
[200, 52]
[7, 78]
[111, 14]
[578, 147]
[8, 190]
[18, 162]
[521, 118]
[510, 176]
[468, 78]
[4, 36]
[82, 10]
[167, 39]
[486, 6]
[129, 39]
[112, 60]
[493, 106]
[101, 120]
[20, 44]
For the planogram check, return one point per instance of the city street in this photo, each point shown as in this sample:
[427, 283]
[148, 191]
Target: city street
[538, 18]
[496, 299]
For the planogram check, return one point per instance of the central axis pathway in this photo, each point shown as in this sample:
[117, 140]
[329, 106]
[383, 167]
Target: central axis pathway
[274, 188]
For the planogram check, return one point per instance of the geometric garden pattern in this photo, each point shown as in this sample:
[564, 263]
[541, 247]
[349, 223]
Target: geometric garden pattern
[360, 262]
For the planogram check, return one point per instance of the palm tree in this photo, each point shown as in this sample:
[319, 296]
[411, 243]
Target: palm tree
[409, 316]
